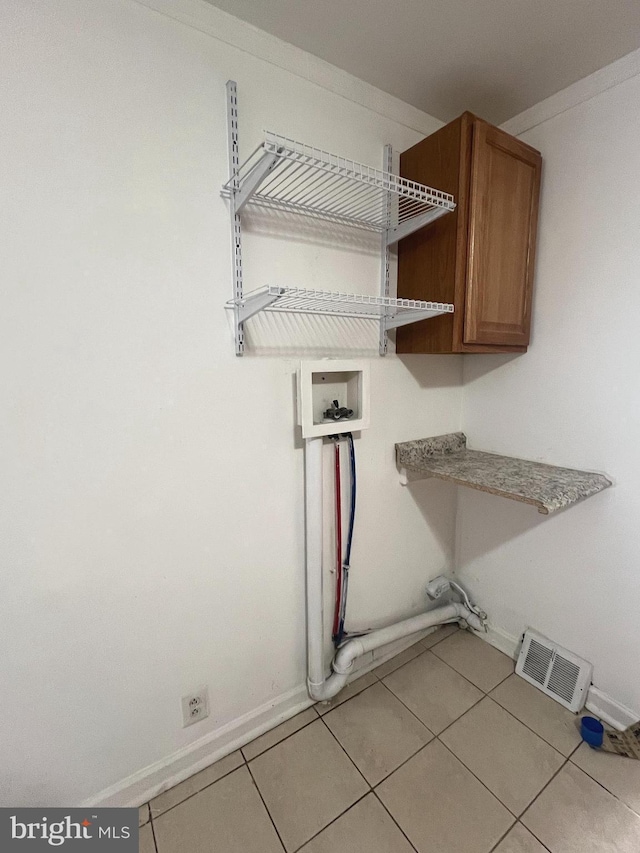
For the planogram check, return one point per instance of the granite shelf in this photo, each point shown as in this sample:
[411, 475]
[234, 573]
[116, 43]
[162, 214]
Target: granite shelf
[546, 487]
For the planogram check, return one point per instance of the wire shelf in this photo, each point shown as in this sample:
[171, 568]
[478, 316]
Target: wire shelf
[287, 175]
[296, 300]
[284, 175]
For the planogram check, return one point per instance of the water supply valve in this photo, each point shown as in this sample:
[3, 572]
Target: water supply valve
[336, 412]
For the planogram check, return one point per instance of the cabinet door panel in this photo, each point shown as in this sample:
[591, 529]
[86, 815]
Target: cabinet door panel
[505, 186]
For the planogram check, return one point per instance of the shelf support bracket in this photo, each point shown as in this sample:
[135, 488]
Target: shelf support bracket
[254, 304]
[414, 317]
[405, 228]
[267, 162]
[406, 476]
[387, 158]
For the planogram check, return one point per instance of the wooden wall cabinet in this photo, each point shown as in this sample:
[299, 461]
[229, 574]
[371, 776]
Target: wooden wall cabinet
[481, 256]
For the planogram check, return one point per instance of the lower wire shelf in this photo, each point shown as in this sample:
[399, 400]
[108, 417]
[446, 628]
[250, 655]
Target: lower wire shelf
[297, 300]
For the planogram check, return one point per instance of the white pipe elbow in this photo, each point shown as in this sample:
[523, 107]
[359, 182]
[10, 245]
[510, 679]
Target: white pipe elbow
[329, 688]
[346, 655]
[342, 666]
[472, 619]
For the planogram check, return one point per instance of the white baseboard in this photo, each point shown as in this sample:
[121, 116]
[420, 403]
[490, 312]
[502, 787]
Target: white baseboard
[180, 765]
[612, 712]
[599, 703]
[499, 639]
[147, 783]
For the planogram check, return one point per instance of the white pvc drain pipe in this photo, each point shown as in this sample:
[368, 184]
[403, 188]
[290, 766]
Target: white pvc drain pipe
[320, 686]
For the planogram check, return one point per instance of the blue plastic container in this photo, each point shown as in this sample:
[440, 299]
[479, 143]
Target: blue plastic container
[592, 732]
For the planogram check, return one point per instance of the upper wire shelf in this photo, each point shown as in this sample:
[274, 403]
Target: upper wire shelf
[287, 175]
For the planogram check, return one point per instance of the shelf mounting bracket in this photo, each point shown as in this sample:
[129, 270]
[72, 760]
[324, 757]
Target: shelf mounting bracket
[236, 227]
[393, 235]
[256, 303]
[403, 319]
[387, 158]
[267, 162]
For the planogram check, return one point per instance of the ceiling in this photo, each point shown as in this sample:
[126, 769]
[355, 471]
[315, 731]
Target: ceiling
[493, 57]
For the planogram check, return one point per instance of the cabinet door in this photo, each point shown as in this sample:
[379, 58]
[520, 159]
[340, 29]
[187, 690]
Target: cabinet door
[505, 186]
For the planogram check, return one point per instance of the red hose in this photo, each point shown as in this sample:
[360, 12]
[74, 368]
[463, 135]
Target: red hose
[336, 617]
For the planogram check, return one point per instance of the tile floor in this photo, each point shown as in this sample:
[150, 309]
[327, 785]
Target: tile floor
[440, 750]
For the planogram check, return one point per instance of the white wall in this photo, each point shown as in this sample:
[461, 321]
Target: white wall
[153, 482]
[572, 399]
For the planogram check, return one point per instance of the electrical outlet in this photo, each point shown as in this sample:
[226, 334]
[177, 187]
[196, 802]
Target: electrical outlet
[195, 707]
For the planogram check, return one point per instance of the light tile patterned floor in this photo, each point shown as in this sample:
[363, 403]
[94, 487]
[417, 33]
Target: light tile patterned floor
[440, 750]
